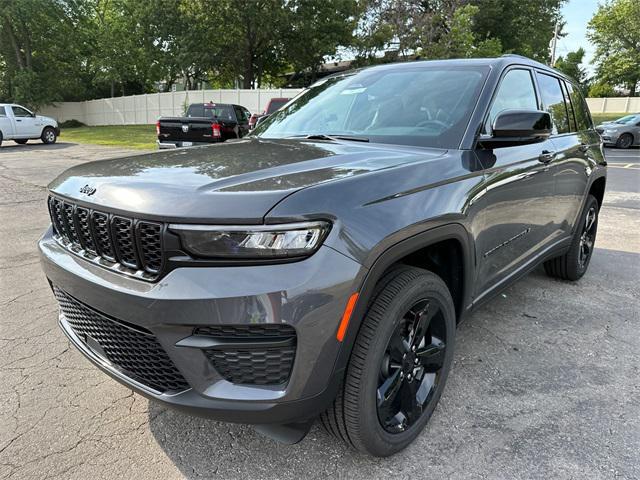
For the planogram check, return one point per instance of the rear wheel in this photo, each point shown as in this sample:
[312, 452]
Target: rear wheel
[573, 264]
[624, 141]
[49, 135]
[21, 141]
[399, 364]
[0, 138]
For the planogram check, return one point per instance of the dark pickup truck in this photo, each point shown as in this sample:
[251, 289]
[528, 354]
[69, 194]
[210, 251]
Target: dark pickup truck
[204, 123]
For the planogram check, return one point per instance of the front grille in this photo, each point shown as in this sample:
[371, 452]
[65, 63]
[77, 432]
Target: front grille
[133, 350]
[132, 245]
[269, 363]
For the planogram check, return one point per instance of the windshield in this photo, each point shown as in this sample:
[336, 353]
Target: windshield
[425, 106]
[629, 119]
[276, 104]
[210, 110]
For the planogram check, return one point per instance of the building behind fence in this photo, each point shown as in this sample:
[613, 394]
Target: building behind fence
[145, 109]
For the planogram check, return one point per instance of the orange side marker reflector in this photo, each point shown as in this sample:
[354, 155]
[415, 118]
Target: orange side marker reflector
[346, 316]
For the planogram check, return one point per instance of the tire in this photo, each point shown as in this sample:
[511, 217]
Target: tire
[48, 136]
[359, 416]
[0, 138]
[624, 141]
[21, 141]
[573, 264]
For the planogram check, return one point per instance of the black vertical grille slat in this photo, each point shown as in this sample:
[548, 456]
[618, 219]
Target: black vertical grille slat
[69, 222]
[84, 229]
[125, 241]
[103, 235]
[127, 245]
[150, 241]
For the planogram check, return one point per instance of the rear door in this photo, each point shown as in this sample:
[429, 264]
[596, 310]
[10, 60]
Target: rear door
[26, 126]
[574, 141]
[243, 120]
[514, 222]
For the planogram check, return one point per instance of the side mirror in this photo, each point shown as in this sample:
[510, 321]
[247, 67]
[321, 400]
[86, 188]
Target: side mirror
[518, 127]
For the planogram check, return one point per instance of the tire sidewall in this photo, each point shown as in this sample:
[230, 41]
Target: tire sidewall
[619, 142]
[580, 270]
[379, 441]
[44, 136]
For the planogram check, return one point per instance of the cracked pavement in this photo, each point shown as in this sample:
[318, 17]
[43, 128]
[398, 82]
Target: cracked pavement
[546, 380]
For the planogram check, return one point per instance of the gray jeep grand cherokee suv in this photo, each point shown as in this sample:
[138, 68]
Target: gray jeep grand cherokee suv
[318, 268]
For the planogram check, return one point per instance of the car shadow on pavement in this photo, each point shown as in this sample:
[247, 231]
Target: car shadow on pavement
[34, 146]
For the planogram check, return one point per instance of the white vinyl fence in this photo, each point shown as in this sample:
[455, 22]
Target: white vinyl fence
[614, 105]
[145, 109]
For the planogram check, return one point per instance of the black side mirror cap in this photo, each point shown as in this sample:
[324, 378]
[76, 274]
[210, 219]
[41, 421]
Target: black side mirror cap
[518, 127]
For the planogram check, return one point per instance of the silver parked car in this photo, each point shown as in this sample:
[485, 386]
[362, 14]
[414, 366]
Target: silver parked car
[623, 132]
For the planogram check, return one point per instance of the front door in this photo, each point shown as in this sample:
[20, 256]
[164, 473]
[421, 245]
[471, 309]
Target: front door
[515, 210]
[26, 124]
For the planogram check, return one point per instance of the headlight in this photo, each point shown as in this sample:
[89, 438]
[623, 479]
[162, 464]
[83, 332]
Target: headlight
[252, 242]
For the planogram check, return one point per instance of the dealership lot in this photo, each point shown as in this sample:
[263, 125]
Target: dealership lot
[546, 381]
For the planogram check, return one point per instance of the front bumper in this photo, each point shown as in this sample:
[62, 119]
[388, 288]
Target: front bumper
[309, 295]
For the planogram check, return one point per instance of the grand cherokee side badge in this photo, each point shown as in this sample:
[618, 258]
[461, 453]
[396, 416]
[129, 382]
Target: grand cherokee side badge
[87, 190]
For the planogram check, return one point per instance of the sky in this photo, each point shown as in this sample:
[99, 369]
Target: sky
[577, 14]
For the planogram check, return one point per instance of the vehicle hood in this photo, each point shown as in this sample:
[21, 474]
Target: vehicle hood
[42, 118]
[613, 126]
[236, 181]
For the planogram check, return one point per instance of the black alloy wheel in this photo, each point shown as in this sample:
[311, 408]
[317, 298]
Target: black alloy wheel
[588, 236]
[624, 141]
[399, 364]
[411, 367]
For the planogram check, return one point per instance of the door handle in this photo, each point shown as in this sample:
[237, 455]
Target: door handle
[546, 156]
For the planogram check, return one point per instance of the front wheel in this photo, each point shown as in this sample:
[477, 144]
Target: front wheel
[49, 136]
[573, 264]
[399, 364]
[624, 141]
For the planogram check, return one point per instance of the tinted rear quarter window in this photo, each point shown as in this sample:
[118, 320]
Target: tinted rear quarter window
[553, 100]
[583, 119]
[3, 113]
[275, 105]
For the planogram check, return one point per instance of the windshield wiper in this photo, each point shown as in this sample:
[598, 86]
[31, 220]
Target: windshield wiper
[322, 136]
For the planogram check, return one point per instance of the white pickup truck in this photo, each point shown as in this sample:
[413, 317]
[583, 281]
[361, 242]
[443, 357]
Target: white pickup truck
[20, 125]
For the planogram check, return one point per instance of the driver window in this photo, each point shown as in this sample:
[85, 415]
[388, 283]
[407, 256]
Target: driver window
[21, 112]
[516, 92]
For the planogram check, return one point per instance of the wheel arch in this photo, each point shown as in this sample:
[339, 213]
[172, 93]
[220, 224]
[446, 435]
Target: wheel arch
[453, 234]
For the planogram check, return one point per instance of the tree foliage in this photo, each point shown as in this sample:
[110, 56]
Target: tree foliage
[615, 31]
[571, 66]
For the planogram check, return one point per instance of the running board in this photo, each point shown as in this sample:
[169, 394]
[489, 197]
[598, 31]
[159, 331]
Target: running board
[289, 433]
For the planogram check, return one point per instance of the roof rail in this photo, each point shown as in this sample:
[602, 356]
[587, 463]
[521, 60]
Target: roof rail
[515, 55]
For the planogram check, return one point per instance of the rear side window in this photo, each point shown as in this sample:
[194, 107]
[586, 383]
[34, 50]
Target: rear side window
[583, 119]
[3, 112]
[516, 92]
[240, 114]
[553, 100]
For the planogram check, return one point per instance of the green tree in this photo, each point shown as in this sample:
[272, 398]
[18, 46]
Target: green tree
[524, 27]
[571, 66]
[615, 31]
[601, 89]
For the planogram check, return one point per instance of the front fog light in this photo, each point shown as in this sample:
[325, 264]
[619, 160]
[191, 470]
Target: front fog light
[252, 242]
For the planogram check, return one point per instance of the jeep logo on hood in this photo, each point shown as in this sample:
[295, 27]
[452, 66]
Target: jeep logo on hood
[87, 190]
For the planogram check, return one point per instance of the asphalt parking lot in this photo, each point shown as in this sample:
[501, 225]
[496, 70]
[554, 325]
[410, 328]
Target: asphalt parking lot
[546, 381]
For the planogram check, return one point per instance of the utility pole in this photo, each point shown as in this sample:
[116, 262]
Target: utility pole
[554, 44]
